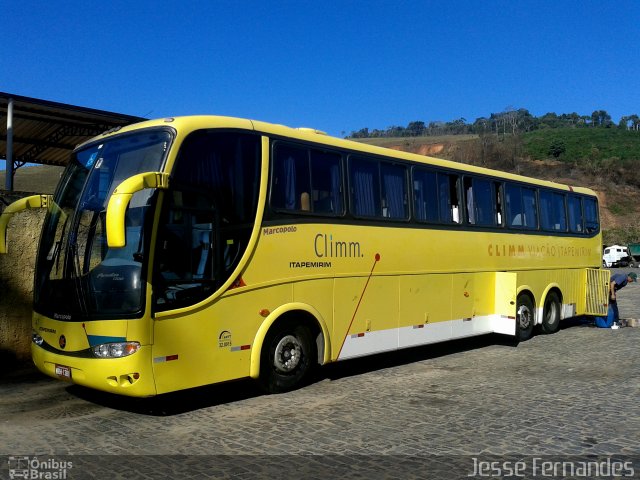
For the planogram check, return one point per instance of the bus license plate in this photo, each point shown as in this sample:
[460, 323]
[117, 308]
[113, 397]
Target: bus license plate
[62, 371]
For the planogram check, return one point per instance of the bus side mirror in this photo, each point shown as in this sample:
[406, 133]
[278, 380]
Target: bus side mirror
[27, 203]
[119, 201]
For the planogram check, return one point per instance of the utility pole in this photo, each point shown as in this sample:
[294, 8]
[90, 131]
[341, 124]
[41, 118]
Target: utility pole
[8, 181]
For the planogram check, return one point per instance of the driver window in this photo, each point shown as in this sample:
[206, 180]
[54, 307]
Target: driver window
[184, 272]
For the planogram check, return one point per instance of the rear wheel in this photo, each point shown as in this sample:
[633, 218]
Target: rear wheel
[287, 358]
[551, 313]
[524, 318]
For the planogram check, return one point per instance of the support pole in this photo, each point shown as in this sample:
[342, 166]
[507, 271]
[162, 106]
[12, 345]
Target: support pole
[9, 170]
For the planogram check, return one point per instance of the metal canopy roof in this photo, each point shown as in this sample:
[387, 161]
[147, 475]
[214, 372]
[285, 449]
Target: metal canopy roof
[45, 132]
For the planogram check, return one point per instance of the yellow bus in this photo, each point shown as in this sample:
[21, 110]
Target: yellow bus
[187, 251]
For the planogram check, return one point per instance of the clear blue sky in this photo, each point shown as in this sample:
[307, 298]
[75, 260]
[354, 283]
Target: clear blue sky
[333, 65]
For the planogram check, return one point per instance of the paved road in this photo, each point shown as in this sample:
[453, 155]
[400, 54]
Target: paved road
[422, 413]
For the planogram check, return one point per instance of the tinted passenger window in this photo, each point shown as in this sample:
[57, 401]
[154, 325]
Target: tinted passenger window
[591, 222]
[552, 211]
[448, 200]
[394, 191]
[365, 188]
[521, 207]
[379, 189]
[425, 195]
[574, 206]
[479, 201]
[326, 183]
[306, 180]
[225, 165]
[291, 179]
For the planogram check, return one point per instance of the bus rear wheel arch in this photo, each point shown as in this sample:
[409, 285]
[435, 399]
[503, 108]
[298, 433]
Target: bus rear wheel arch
[551, 312]
[289, 354]
[525, 316]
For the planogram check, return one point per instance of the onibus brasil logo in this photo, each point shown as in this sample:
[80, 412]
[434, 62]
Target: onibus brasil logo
[35, 468]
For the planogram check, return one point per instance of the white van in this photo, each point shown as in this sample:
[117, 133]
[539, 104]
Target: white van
[616, 256]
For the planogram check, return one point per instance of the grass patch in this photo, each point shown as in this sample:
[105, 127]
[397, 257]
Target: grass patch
[594, 144]
[618, 209]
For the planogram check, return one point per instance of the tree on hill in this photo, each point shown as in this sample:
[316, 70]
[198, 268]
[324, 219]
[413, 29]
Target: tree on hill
[557, 148]
[600, 118]
[508, 122]
[630, 122]
[416, 129]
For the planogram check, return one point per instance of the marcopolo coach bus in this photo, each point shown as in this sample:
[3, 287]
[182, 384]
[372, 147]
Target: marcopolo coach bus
[187, 251]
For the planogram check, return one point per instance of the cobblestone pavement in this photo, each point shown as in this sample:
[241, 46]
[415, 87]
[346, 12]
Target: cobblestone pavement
[421, 413]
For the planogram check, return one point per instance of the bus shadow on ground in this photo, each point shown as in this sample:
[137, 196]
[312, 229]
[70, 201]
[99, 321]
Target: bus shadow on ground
[582, 321]
[212, 395]
[174, 403]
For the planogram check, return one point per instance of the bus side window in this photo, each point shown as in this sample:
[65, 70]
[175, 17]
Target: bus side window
[448, 199]
[498, 195]
[425, 195]
[513, 199]
[574, 205]
[291, 178]
[470, 203]
[522, 210]
[394, 191]
[326, 178]
[530, 208]
[365, 187]
[306, 180]
[591, 222]
[553, 217]
[479, 202]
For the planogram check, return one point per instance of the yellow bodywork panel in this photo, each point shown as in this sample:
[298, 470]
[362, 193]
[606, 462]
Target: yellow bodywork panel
[214, 343]
[504, 301]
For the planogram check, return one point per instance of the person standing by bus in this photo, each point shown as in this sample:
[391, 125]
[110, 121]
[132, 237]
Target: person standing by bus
[616, 282]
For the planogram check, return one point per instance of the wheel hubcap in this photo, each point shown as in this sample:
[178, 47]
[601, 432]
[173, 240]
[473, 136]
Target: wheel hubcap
[524, 316]
[288, 354]
[552, 313]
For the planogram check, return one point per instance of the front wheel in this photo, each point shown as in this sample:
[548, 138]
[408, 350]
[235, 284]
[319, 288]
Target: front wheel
[551, 313]
[287, 358]
[524, 318]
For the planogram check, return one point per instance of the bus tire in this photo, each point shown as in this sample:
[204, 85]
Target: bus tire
[524, 318]
[287, 358]
[551, 313]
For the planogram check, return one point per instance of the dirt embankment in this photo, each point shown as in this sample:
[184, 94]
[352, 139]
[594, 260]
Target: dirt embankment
[431, 149]
[16, 286]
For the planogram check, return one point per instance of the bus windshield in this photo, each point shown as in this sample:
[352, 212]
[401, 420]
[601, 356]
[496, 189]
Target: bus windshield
[77, 274]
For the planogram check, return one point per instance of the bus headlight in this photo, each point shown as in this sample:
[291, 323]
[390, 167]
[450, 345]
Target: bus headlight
[116, 350]
[37, 339]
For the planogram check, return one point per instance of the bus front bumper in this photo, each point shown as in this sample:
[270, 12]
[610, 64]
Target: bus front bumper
[131, 375]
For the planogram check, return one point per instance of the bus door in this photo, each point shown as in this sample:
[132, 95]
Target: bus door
[186, 272]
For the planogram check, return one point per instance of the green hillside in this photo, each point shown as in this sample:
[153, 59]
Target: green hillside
[576, 145]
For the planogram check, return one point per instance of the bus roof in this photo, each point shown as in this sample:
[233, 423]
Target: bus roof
[195, 122]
